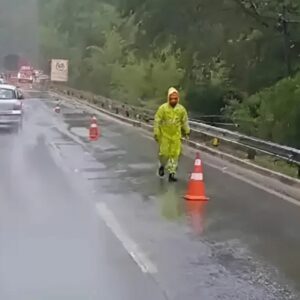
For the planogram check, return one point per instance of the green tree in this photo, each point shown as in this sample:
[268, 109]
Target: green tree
[273, 113]
[217, 52]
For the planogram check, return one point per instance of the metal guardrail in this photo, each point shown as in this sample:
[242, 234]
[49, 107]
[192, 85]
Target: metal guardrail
[252, 146]
[282, 152]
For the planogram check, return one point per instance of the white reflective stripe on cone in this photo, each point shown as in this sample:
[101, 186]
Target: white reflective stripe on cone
[198, 162]
[197, 176]
[94, 126]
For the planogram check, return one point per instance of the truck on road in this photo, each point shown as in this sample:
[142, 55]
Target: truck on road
[26, 74]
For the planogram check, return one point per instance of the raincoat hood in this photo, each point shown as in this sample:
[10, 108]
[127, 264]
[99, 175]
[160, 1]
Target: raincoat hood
[172, 91]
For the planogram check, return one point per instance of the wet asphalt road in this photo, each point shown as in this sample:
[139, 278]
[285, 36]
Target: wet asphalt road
[92, 221]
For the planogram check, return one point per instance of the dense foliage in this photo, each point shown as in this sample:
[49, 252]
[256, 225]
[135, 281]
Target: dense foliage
[218, 52]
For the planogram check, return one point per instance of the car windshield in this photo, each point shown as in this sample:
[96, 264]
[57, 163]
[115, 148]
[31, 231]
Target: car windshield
[6, 94]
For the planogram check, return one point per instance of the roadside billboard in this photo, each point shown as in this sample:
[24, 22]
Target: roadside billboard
[59, 70]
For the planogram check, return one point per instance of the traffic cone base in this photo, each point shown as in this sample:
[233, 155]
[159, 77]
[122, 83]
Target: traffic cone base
[195, 198]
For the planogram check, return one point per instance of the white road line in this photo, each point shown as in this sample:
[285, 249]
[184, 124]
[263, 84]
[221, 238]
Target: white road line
[130, 246]
[257, 185]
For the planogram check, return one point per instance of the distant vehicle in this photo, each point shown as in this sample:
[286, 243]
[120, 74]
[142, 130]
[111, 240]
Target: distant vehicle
[26, 74]
[11, 111]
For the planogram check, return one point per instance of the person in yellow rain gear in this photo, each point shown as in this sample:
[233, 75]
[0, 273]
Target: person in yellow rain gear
[170, 124]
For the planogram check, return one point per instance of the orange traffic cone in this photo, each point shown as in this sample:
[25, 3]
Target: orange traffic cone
[196, 188]
[94, 130]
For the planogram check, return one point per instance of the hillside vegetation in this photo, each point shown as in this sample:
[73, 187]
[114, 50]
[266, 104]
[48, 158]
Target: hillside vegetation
[237, 58]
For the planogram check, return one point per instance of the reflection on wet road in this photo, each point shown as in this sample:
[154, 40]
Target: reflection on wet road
[81, 220]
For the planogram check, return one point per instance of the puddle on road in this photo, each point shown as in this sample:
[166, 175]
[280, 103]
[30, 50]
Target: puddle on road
[196, 216]
[174, 208]
[74, 115]
[109, 134]
[168, 198]
[100, 149]
[80, 131]
[84, 164]
[92, 170]
[73, 155]
[106, 146]
[171, 204]
[93, 175]
[142, 166]
[44, 124]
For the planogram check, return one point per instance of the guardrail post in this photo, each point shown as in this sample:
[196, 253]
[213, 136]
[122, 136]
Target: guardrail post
[215, 142]
[146, 118]
[251, 153]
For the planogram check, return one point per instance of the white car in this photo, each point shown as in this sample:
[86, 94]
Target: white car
[11, 110]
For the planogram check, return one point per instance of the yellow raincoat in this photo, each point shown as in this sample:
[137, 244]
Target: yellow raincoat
[169, 126]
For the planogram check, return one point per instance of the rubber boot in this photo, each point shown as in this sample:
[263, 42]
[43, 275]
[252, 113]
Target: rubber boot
[172, 178]
[161, 171]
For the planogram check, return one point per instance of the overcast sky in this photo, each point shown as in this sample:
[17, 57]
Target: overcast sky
[19, 28]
